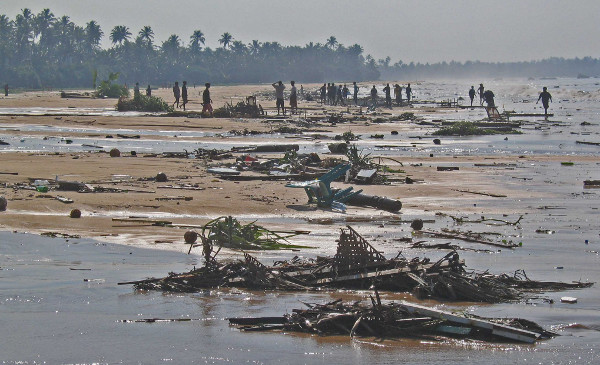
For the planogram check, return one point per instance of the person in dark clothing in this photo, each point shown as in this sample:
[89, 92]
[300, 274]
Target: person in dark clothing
[5, 89]
[481, 91]
[488, 96]
[472, 94]
[323, 91]
[355, 93]
[388, 95]
[546, 99]
[206, 100]
[136, 91]
[408, 93]
[148, 91]
[176, 94]
[374, 97]
[184, 95]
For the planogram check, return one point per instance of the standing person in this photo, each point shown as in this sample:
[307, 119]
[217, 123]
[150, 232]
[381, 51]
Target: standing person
[472, 94]
[355, 93]
[374, 97]
[546, 98]
[388, 95]
[340, 95]
[333, 96]
[136, 91]
[481, 91]
[206, 100]
[488, 96]
[293, 98]
[279, 87]
[398, 94]
[408, 93]
[184, 95]
[5, 89]
[176, 94]
[301, 90]
[323, 91]
[345, 92]
[148, 91]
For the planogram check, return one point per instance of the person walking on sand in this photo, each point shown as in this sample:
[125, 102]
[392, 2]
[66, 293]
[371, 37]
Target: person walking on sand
[345, 92]
[472, 94]
[546, 98]
[388, 95]
[176, 94]
[355, 92]
[206, 100]
[481, 91]
[5, 89]
[398, 94]
[408, 93]
[148, 91]
[374, 97]
[184, 95]
[279, 87]
[293, 98]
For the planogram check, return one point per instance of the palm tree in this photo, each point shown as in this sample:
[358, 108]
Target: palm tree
[42, 22]
[196, 38]
[93, 34]
[331, 42]
[226, 39]
[355, 49]
[254, 47]
[120, 34]
[146, 35]
[170, 47]
[238, 47]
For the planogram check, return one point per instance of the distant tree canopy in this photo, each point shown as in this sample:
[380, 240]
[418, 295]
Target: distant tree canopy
[41, 50]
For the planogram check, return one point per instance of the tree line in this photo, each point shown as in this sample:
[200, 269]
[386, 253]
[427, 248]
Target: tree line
[43, 51]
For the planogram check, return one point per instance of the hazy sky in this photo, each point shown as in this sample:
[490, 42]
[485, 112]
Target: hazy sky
[409, 30]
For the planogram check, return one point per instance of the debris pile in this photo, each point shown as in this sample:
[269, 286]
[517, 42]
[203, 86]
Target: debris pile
[393, 320]
[358, 265]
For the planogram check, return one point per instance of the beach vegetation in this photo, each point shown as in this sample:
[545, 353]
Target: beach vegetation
[144, 103]
[109, 89]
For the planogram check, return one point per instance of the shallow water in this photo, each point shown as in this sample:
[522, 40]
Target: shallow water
[49, 314]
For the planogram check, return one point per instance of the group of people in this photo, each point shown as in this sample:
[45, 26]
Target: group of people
[488, 97]
[334, 95]
[183, 95]
[388, 95]
[280, 99]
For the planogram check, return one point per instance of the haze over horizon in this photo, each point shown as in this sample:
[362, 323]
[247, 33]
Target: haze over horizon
[426, 31]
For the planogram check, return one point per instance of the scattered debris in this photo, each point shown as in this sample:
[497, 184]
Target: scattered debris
[356, 265]
[395, 320]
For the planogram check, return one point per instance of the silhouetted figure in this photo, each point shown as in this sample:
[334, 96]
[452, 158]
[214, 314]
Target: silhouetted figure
[398, 94]
[323, 91]
[472, 94]
[355, 92]
[340, 95]
[481, 91]
[330, 93]
[374, 97]
[388, 95]
[184, 95]
[546, 99]
[206, 100]
[293, 98]
[5, 89]
[279, 87]
[136, 92]
[408, 93]
[488, 96]
[345, 92]
[176, 94]
[148, 91]
[301, 90]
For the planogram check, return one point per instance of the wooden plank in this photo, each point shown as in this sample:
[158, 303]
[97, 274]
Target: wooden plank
[501, 330]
